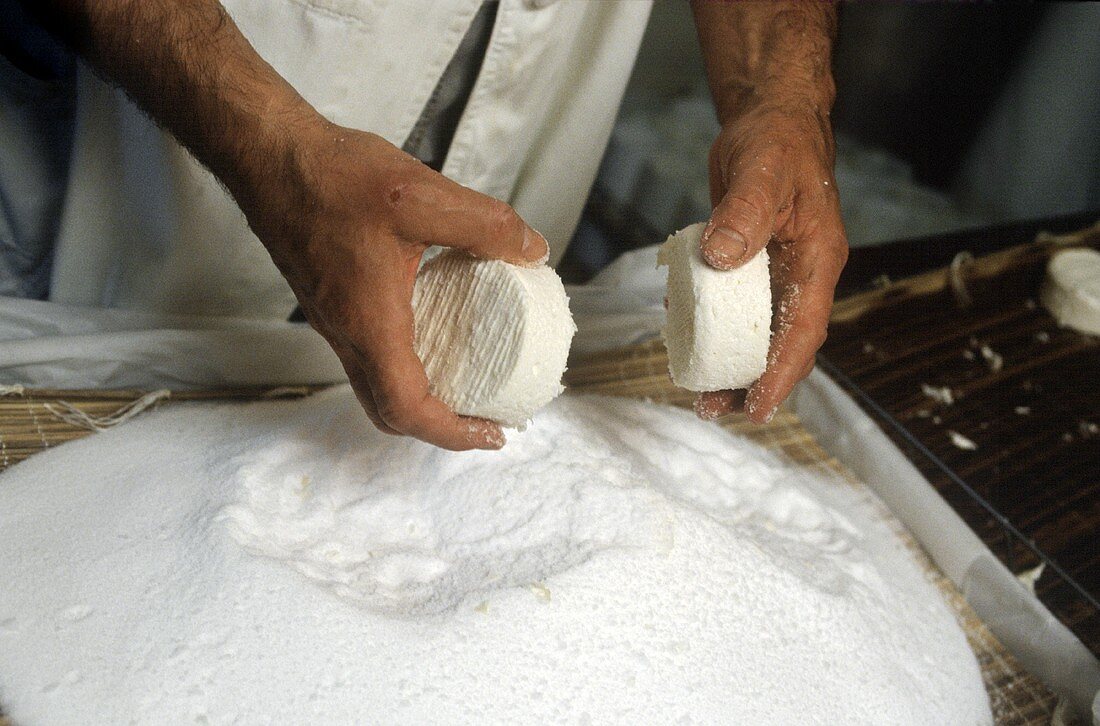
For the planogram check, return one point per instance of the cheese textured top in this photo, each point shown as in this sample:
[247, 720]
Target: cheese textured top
[493, 337]
[719, 321]
[1071, 290]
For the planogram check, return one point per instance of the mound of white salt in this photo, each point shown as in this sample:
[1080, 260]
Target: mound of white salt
[618, 562]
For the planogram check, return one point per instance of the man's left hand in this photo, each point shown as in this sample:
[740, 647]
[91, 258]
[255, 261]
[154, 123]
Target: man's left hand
[772, 185]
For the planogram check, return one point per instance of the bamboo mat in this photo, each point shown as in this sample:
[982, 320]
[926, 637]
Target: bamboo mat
[27, 426]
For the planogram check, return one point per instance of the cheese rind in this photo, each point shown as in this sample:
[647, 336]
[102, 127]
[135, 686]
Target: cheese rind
[719, 321]
[493, 337]
[1071, 289]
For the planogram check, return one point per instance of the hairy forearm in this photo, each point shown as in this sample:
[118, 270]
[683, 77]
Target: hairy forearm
[189, 67]
[767, 53]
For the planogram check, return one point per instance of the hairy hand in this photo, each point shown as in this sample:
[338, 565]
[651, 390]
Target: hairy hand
[772, 185]
[348, 228]
[345, 215]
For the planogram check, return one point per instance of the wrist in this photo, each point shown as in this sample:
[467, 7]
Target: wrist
[784, 95]
[266, 164]
[261, 146]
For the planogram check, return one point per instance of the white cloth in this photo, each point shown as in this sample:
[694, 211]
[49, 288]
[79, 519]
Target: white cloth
[146, 227]
[48, 345]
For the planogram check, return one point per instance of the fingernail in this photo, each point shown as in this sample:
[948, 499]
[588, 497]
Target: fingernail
[726, 249]
[535, 247]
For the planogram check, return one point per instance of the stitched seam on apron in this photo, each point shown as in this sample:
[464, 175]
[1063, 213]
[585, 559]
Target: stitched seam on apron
[321, 8]
[501, 41]
[427, 83]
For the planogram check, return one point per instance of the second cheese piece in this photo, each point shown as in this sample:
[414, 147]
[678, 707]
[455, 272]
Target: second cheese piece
[719, 321]
[493, 337]
[1071, 290]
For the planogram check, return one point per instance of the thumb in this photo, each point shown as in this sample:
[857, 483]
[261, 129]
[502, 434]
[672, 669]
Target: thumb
[743, 222]
[445, 213]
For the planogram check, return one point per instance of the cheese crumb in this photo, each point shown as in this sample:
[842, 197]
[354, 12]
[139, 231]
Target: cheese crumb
[994, 360]
[939, 394]
[961, 441]
[1028, 578]
[540, 591]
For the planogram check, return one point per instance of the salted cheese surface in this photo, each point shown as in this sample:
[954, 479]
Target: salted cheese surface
[1071, 289]
[493, 337]
[719, 321]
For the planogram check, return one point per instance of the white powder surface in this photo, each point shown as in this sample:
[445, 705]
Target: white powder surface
[618, 562]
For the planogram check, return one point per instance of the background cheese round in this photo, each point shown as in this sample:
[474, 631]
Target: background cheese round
[719, 321]
[1071, 290]
[493, 337]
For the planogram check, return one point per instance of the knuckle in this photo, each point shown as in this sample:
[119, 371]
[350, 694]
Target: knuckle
[503, 220]
[396, 192]
[399, 410]
[749, 208]
[840, 249]
[403, 189]
[395, 413]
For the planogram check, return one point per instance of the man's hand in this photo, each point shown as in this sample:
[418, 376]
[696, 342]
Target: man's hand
[348, 228]
[345, 215]
[771, 177]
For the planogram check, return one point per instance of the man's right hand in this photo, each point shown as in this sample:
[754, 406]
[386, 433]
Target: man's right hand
[347, 226]
[345, 215]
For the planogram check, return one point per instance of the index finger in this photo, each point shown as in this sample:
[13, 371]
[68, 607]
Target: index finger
[440, 211]
[807, 272]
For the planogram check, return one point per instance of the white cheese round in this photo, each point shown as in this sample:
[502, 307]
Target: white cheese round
[493, 337]
[1071, 290]
[719, 321]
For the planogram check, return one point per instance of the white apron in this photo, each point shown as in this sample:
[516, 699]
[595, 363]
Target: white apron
[146, 227]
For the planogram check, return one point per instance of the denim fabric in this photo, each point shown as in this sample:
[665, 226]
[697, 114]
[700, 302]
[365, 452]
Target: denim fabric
[36, 132]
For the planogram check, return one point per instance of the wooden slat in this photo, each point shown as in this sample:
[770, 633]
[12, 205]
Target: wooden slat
[27, 425]
[1029, 257]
